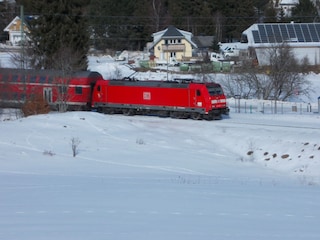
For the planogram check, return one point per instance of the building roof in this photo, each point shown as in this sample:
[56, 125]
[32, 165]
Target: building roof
[283, 32]
[203, 41]
[15, 24]
[171, 32]
[288, 2]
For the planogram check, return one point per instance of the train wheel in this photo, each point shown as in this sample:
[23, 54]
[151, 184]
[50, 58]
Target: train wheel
[174, 115]
[208, 117]
[108, 111]
[128, 112]
[196, 116]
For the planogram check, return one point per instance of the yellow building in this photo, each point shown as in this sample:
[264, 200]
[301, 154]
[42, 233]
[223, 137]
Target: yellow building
[172, 44]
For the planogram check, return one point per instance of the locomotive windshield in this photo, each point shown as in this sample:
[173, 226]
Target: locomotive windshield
[215, 90]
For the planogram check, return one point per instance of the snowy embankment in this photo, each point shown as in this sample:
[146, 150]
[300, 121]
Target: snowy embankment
[144, 177]
[250, 176]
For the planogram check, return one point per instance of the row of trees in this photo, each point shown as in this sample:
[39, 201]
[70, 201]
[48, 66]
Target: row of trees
[63, 30]
[126, 24]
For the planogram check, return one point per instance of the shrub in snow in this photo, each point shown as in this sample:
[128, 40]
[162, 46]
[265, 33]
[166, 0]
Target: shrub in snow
[140, 141]
[35, 105]
[48, 153]
[74, 145]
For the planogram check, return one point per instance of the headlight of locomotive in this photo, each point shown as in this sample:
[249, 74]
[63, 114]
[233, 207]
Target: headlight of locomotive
[218, 101]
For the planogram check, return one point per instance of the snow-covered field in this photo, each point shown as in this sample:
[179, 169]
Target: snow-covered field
[246, 177]
[146, 177]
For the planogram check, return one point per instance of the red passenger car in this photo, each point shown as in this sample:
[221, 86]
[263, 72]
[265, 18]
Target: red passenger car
[176, 99]
[19, 85]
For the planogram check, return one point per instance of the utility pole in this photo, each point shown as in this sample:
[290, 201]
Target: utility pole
[22, 35]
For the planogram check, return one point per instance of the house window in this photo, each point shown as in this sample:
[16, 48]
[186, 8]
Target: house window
[173, 41]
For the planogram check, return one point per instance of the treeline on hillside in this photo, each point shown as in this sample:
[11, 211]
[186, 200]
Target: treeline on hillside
[71, 26]
[127, 24]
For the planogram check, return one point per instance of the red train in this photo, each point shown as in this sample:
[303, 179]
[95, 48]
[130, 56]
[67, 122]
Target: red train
[17, 85]
[88, 90]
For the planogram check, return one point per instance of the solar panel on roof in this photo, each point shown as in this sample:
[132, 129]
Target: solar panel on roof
[277, 34]
[256, 37]
[313, 33]
[306, 34]
[317, 26]
[292, 33]
[284, 32]
[263, 34]
[299, 34]
[270, 33]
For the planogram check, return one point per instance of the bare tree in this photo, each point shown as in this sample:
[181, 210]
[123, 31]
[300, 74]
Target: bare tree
[283, 79]
[21, 59]
[74, 145]
[285, 73]
[156, 10]
[64, 60]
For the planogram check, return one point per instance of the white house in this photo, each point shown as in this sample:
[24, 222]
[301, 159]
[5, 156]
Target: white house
[303, 38]
[16, 33]
[287, 5]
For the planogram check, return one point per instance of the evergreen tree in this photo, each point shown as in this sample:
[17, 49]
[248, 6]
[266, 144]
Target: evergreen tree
[99, 24]
[158, 14]
[262, 9]
[239, 15]
[270, 14]
[141, 26]
[7, 14]
[59, 32]
[305, 11]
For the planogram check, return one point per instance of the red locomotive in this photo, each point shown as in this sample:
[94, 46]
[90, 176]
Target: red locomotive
[88, 90]
[178, 99]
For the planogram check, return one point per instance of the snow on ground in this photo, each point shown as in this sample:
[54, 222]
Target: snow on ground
[249, 176]
[145, 177]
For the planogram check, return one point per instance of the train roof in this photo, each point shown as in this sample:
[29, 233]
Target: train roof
[46, 72]
[155, 83]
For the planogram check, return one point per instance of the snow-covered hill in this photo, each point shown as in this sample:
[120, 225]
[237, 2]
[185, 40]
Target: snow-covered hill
[249, 176]
[141, 177]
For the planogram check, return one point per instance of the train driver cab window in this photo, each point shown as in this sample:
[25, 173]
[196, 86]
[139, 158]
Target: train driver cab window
[214, 91]
[198, 92]
[98, 88]
[78, 90]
